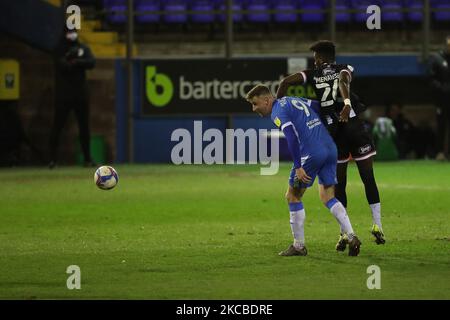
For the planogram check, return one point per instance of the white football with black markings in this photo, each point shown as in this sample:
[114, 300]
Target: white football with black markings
[106, 177]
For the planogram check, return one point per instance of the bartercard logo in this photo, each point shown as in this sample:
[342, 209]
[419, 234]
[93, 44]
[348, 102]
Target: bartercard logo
[158, 87]
[219, 89]
[161, 89]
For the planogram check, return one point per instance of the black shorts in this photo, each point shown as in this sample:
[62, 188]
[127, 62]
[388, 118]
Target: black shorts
[353, 140]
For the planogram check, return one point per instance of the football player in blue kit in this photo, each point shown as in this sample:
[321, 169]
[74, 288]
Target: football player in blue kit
[339, 111]
[314, 154]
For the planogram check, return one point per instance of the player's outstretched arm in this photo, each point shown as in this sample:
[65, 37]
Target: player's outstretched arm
[293, 144]
[295, 78]
[344, 88]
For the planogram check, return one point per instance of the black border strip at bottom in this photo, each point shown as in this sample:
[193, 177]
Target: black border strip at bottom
[222, 309]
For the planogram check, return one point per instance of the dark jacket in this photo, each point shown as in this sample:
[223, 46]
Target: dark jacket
[439, 73]
[72, 59]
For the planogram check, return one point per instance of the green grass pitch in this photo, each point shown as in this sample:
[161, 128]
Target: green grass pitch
[214, 232]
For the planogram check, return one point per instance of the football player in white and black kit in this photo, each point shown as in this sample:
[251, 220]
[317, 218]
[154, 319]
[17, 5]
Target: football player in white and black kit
[339, 109]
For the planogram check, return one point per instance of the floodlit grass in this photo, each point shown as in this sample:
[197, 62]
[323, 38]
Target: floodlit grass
[214, 232]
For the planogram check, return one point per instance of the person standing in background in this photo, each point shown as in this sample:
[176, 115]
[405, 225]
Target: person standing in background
[439, 72]
[71, 62]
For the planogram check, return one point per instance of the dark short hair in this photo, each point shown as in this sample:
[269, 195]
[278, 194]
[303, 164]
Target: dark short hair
[325, 49]
[256, 91]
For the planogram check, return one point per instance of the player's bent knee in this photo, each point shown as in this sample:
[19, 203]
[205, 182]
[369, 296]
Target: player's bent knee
[293, 195]
[326, 193]
[325, 199]
[290, 197]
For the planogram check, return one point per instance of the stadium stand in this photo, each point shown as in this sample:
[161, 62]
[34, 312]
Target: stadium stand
[342, 14]
[147, 5]
[157, 36]
[396, 15]
[264, 11]
[116, 10]
[285, 16]
[203, 5]
[257, 17]
[416, 6]
[237, 6]
[439, 14]
[172, 7]
[313, 16]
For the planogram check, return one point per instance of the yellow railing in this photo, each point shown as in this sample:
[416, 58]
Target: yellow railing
[56, 3]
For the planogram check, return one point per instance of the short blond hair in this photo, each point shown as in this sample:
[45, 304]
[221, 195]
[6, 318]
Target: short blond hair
[258, 90]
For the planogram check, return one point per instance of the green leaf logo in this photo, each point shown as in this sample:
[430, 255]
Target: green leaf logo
[158, 87]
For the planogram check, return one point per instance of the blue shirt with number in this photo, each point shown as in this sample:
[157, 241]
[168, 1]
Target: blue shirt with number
[298, 119]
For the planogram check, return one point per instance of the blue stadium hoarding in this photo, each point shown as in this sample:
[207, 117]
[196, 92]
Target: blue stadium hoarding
[218, 86]
[207, 86]
[390, 79]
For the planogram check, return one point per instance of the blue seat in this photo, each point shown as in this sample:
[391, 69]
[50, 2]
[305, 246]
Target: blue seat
[203, 5]
[361, 5]
[342, 17]
[387, 16]
[172, 8]
[147, 5]
[313, 17]
[258, 5]
[237, 6]
[439, 14]
[120, 7]
[414, 16]
[285, 17]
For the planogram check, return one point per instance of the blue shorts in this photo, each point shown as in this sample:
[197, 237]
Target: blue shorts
[322, 164]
